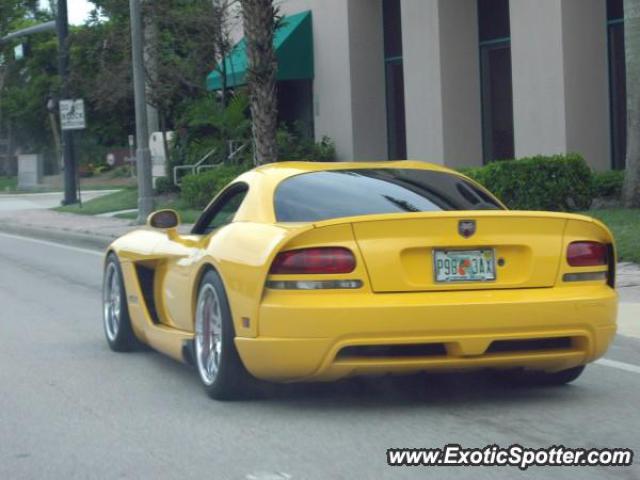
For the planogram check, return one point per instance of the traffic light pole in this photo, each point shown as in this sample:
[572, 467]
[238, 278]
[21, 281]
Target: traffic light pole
[70, 179]
[143, 155]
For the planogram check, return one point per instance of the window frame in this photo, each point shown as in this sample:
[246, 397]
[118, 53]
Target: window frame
[210, 212]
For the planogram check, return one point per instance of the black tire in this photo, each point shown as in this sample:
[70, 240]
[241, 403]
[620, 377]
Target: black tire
[231, 380]
[522, 378]
[121, 337]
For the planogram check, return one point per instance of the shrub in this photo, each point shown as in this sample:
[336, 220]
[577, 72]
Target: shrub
[557, 183]
[608, 184]
[294, 145]
[120, 172]
[203, 125]
[165, 185]
[199, 190]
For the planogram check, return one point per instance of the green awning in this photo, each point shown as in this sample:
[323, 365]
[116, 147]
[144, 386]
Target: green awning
[293, 41]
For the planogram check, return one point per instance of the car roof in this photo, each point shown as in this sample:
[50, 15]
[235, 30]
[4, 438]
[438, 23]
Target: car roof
[287, 169]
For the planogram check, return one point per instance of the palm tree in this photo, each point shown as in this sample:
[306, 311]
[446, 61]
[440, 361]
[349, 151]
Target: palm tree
[259, 19]
[632, 54]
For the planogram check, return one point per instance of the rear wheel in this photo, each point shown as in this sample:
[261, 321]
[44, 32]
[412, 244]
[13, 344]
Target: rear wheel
[115, 313]
[219, 366]
[537, 378]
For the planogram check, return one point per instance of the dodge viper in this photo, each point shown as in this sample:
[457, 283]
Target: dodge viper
[301, 271]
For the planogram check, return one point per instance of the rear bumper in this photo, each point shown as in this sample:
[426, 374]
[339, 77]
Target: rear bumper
[303, 335]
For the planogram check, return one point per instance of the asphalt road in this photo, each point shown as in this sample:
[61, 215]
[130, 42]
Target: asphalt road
[70, 408]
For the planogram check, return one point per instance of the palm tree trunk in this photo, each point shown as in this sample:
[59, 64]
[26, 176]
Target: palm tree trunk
[259, 26]
[631, 192]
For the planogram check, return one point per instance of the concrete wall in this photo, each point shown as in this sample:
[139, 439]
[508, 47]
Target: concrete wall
[368, 85]
[538, 77]
[559, 59]
[560, 80]
[422, 80]
[587, 80]
[460, 61]
[442, 81]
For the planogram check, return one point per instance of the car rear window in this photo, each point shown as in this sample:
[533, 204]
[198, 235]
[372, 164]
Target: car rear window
[324, 195]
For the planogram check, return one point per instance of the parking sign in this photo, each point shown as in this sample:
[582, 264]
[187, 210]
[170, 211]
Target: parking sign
[72, 115]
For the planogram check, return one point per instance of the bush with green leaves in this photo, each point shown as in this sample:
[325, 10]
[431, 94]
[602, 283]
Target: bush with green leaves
[294, 145]
[556, 183]
[165, 185]
[608, 184]
[199, 190]
[204, 125]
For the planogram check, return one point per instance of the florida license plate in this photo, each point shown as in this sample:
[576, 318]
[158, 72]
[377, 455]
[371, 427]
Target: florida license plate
[464, 265]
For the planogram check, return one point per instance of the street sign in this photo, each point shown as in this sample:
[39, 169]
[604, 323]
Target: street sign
[18, 52]
[72, 115]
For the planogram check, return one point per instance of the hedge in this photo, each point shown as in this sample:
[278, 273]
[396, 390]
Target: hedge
[199, 190]
[165, 185]
[557, 183]
[608, 184]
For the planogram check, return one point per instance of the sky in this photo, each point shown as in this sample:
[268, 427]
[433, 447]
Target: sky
[78, 10]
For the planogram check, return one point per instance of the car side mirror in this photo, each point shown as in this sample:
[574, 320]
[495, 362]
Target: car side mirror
[164, 220]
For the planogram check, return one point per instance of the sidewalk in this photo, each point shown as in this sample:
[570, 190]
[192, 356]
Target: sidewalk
[86, 230]
[99, 232]
[12, 202]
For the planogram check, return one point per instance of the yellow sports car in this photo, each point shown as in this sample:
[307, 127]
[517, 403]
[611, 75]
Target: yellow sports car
[318, 271]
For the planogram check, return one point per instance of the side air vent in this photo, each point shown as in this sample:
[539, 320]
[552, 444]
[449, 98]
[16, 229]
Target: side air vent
[146, 278]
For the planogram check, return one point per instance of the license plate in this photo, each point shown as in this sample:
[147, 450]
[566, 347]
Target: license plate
[464, 265]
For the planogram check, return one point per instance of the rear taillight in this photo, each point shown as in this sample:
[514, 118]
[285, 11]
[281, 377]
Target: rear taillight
[587, 254]
[322, 260]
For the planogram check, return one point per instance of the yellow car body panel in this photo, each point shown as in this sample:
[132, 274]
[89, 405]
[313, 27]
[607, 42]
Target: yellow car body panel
[285, 335]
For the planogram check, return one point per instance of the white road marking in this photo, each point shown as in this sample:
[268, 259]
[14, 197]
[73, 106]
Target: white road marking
[627, 367]
[53, 244]
[269, 476]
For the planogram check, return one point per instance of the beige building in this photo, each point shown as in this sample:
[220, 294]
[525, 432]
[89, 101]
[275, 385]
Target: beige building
[461, 82]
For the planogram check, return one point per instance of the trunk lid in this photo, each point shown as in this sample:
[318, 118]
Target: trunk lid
[399, 249]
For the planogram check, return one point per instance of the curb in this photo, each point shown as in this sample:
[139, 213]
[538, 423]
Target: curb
[80, 239]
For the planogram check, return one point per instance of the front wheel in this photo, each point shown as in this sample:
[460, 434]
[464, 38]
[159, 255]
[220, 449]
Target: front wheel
[219, 366]
[536, 378]
[115, 313]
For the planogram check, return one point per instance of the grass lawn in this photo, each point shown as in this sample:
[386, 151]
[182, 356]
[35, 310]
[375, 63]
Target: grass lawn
[8, 184]
[625, 225]
[121, 200]
[127, 199]
[187, 215]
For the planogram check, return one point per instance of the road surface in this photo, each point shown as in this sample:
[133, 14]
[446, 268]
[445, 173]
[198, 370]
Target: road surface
[70, 408]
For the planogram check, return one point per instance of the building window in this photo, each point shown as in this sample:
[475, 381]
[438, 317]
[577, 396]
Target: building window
[617, 83]
[394, 74]
[495, 79]
[295, 106]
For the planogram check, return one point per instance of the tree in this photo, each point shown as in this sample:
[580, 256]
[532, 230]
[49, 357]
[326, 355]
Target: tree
[631, 193]
[259, 20]
[188, 38]
[225, 13]
[26, 82]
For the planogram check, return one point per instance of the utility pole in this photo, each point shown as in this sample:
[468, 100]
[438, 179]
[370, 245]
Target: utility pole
[143, 155]
[70, 179]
